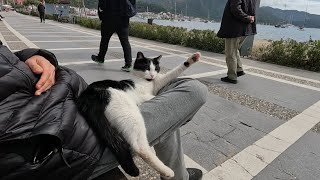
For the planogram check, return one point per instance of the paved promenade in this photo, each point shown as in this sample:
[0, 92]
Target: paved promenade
[264, 128]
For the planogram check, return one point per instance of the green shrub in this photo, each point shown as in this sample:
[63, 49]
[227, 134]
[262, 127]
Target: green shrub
[303, 55]
[89, 23]
[49, 16]
[199, 39]
[205, 40]
[34, 13]
[297, 53]
[313, 61]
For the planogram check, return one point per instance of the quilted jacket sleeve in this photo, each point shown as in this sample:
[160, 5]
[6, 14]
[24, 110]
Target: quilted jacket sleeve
[27, 53]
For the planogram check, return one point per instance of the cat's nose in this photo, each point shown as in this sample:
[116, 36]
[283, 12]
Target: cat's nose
[152, 76]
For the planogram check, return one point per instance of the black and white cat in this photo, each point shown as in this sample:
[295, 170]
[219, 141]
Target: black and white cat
[111, 109]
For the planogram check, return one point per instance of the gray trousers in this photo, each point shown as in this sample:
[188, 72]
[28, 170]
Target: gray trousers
[232, 46]
[173, 107]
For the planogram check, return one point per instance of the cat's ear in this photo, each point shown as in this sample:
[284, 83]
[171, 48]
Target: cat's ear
[158, 58]
[140, 55]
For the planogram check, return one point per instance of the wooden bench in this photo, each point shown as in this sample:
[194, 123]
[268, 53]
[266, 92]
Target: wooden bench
[114, 174]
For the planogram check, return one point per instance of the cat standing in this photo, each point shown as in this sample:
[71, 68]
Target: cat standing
[111, 109]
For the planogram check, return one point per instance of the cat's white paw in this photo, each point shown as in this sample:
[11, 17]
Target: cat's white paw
[194, 58]
[168, 174]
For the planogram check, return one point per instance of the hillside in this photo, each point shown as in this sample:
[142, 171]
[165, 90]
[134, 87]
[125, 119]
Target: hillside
[213, 10]
[274, 16]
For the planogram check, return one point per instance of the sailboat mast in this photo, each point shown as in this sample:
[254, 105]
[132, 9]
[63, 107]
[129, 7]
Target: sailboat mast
[186, 8]
[175, 9]
[305, 14]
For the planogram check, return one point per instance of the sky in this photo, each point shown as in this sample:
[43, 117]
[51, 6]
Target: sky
[312, 6]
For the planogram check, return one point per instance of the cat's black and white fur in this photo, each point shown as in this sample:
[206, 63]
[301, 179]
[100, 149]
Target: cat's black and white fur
[111, 109]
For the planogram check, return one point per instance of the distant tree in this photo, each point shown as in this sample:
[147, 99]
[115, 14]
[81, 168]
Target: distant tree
[52, 1]
[91, 3]
[31, 2]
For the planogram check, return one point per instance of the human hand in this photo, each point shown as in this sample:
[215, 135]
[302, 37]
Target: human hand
[251, 19]
[40, 65]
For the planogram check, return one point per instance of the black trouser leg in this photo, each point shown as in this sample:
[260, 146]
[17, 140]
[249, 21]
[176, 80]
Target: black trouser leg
[106, 33]
[42, 17]
[123, 34]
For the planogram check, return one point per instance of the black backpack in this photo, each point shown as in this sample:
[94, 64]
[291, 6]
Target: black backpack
[127, 8]
[130, 9]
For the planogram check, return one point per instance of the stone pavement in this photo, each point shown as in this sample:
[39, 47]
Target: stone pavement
[264, 128]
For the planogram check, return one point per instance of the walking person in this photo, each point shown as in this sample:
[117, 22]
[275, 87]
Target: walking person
[1, 17]
[114, 16]
[41, 10]
[238, 22]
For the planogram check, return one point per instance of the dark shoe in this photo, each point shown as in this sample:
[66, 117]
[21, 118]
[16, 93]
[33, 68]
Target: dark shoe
[226, 79]
[194, 174]
[126, 68]
[95, 58]
[240, 73]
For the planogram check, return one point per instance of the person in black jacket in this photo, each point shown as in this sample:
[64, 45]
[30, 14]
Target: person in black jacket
[238, 21]
[43, 136]
[114, 18]
[41, 10]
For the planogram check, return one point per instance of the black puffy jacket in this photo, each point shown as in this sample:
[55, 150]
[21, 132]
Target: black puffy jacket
[235, 21]
[42, 137]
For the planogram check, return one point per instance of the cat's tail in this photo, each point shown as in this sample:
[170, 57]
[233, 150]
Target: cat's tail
[92, 105]
[121, 149]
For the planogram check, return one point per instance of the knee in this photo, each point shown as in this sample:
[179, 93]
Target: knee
[197, 91]
[124, 40]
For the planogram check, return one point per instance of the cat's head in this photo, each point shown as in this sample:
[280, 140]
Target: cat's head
[147, 68]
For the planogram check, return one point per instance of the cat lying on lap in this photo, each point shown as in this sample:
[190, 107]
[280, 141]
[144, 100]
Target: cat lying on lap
[111, 109]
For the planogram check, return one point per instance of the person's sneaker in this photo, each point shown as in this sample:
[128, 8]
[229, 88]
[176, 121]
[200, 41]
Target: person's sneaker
[240, 73]
[126, 68]
[194, 174]
[226, 79]
[95, 58]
